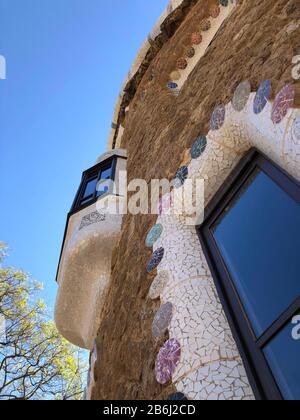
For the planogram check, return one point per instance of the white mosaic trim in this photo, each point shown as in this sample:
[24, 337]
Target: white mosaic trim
[211, 367]
[225, 380]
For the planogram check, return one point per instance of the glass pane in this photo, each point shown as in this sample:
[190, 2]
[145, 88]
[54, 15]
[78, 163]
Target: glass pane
[283, 357]
[90, 188]
[259, 238]
[106, 173]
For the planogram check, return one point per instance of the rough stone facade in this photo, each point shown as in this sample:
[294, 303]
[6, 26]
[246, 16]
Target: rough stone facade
[257, 42]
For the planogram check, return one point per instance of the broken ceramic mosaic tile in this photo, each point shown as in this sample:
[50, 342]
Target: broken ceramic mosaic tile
[282, 103]
[167, 360]
[159, 284]
[155, 260]
[153, 235]
[262, 96]
[180, 176]
[241, 96]
[218, 117]
[162, 320]
[199, 147]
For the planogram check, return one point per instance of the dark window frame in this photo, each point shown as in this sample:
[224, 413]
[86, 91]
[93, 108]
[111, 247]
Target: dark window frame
[93, 173]
[77, 208]
[261, 378]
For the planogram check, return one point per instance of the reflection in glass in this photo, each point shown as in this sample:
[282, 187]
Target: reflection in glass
[90, 187]
[283, 354]
[106, 173]
[259, 239]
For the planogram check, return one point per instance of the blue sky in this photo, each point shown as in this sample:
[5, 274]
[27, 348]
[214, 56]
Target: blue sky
[66, 61]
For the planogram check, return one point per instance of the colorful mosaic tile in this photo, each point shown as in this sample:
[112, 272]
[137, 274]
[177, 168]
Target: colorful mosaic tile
[262, 96]
[177, 397]
[182, 64]
[167, 360]
[162, 320]
[218, 117]
[199, 147]
[155, 260]
[296, 127]
[283, 102]
[172, 85]
[165, 204]
[215, 11]
[205, 25]
[175, 75]
[190, 52]
[180, 177]
[159, 284]
[154, 235]
[196, 38]
[210, 366]
[241, 96]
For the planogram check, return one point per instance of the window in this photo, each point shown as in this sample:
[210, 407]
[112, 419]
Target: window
[96, 182]
[251, 237]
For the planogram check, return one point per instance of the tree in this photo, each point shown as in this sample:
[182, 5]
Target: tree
[36, 362]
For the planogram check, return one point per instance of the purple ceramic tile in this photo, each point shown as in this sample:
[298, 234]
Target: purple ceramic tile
[218, 117]
[167, 361]
[283, 102]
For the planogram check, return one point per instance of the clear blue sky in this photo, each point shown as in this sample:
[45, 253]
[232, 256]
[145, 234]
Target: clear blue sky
[66, 61]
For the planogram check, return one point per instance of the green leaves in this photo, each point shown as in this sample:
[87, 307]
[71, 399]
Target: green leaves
[36, 362]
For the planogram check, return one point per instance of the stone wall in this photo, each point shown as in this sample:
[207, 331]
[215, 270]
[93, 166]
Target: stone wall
[257, 42]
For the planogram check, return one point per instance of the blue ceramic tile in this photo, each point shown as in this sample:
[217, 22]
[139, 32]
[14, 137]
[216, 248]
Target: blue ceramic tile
[172, 85]
[182, 63]
[177, 397]
[262, 96]
[153, 235]
[155, 260]
[180, 177]
[199, 147]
